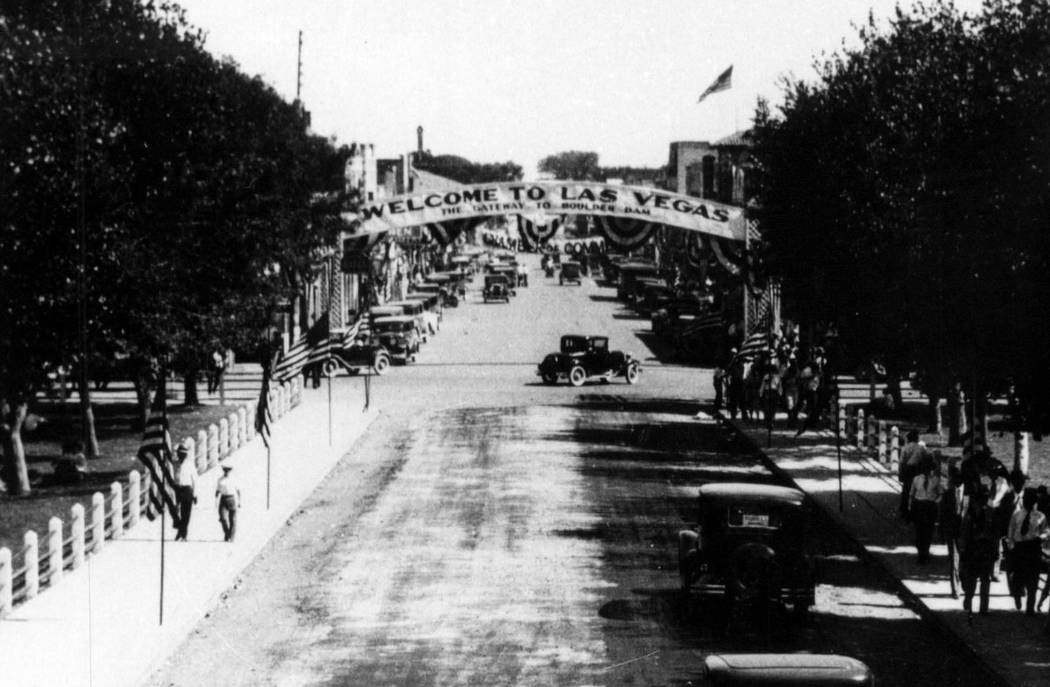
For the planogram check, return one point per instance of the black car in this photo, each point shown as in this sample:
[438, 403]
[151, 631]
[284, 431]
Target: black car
[748, 546]
[497, 288]
[588, 358]
[570, 272]
[364, 353]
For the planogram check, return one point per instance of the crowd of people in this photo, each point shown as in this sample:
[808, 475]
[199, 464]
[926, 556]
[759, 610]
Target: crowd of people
[992, 521]
[775, 374]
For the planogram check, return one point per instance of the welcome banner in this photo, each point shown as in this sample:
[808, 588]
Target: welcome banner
[550, 198]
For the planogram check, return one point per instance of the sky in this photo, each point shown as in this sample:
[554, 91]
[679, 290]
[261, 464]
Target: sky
[499, 80]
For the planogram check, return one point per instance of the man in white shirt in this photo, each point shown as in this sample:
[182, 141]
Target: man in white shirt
[228, 495]
[185, 491]
[1024, 537]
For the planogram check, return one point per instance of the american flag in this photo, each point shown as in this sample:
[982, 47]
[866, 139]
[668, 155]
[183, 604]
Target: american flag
[709, 321]
[155, 453]
[347, 338]
[263, 417]
[722, 83]
[753, 345]
[291, 363]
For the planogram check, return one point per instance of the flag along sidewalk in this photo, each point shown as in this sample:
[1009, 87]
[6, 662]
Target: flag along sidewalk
[723, 83]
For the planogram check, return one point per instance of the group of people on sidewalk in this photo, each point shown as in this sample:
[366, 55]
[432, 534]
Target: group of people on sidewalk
[227, 496]
[775, 377]
[990, 520]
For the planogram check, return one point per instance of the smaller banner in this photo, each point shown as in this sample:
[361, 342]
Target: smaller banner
[576, 246]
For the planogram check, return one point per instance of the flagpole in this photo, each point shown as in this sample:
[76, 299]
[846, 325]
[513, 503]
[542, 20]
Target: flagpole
[267, 476]
[329, 410]
[163, 511]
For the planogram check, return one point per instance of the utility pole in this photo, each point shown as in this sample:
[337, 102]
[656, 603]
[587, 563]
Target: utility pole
[299, 70]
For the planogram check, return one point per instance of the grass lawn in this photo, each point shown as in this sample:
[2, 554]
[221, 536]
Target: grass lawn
[118, 444]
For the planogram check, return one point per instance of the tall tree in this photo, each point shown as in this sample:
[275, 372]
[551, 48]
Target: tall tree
[572, 164]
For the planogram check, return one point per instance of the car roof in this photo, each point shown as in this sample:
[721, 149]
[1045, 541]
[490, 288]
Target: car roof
[398, 319]
[407, 301]
[389, 307]
[787, 669]
[746, 491]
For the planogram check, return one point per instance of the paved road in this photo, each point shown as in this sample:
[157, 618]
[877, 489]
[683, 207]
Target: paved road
[490, 530]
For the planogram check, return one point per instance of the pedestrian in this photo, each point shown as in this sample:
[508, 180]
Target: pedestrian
[216, 365]
[185, 491]
[718, 379]
[1025, 535]
[978, 551]
[951, 511]
[924, 497]
[523, 274]
[913, 455]
[789, 382]
[735, 386]
[228, 496]
[769, 391]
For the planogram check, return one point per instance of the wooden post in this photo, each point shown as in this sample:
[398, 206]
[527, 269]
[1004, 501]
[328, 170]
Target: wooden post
[235, 431]
[1021, 456]
[98, 522]
[224, 438]
[895, 445]
[76, 529]
[213, 446]
[242, 426]
[54, 549]
[135, 496]
[116, 492]
[871, 439]
[6, 577]
[861, 425]
[882, 442]
[32, 556]
[201, 457]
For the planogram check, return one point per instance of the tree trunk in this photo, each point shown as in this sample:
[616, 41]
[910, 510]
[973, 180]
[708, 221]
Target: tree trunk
[87, 419]
[143, 387]
[190, 388]
[16, 475]
[957, 424]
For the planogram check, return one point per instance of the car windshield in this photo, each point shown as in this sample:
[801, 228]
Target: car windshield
[389, 327]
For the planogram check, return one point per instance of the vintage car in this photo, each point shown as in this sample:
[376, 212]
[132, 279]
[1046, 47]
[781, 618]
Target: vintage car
[800, 670]
[651, 294]
[431, 308]
[377, 311]
[364, 352]
[570, 272]
[748, 546]
[588, 358]
[630, 273]
[497, 288]
[397, 335]
[413, 308]
[447, 298]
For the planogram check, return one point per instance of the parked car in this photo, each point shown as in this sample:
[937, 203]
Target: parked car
[397, 335]
[570, 272]
[497, 288]
[800, 670]
[365, 352]
[413, 308]
[747, 546]
[652, 295]
[588, 358]
[377, 311]
[431, 307]
[629, 273]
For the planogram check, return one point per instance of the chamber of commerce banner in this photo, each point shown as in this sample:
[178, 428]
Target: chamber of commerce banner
[646, 205]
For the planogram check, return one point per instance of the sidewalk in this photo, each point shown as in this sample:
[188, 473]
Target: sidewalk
[99, 627]
[1011, 644]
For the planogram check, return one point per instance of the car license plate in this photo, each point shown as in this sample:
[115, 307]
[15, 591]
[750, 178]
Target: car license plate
[754, 520]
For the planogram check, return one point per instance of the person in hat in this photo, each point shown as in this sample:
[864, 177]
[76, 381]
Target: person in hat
[185, 491]
[228, 496]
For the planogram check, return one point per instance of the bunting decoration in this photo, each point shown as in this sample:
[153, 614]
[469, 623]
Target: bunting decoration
[446, 233]
[536, 233]
[626, 234]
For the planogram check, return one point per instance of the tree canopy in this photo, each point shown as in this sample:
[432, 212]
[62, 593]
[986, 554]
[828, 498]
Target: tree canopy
[572, 164]
[466, 172]
[903, 196]
[204, 199]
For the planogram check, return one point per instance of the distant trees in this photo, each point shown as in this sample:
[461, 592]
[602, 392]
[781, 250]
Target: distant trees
[904, 196]
[572, 164]
[466, 172]
[200, 191]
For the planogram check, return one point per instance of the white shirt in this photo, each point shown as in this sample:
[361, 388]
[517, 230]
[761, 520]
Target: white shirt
[930, 491]
[186, 475]
[227, 486]
[1037, 526]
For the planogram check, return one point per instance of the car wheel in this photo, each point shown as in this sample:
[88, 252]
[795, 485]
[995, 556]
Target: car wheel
[750, 569]
[577, 376]
[632, 374]
[330, 369]
[381, 364]
[549, 378]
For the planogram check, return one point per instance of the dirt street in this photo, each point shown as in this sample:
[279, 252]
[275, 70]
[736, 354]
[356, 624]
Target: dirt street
[489, 530]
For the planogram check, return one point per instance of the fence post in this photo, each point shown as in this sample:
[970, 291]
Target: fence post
[5, 580]
[1021, 455]
[871, 437]
[242, 426]
[76, 528]
[859, 438]
[249, 426]
[235, 432]
[881, 451]
[98, 522]
[942, 407]
[32, 556]
[116, 492]
[841, 411]
[224, 437]
[54, 549]
[134, 497]
[202, 452]
[895, 445]
[213, 446]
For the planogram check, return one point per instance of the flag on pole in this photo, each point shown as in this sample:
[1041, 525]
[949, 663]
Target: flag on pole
[290, 364]
[155, 453]
[263, 417]
[753, 345]
[723, 83]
